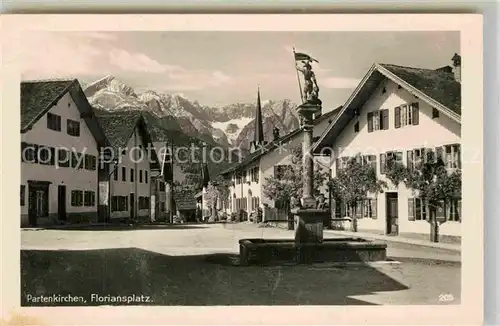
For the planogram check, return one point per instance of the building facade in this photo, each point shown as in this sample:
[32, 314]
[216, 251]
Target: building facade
[60, 144]
[399, 112]
[266, 160]
[134, 164]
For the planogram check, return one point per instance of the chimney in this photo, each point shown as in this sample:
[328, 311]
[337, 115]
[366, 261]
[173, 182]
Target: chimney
[457, 67]
[276, 133]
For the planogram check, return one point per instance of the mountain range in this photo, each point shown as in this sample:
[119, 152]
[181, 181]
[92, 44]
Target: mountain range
[228, 126]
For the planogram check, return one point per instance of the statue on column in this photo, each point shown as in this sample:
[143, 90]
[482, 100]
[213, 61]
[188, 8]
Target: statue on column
[311, 88]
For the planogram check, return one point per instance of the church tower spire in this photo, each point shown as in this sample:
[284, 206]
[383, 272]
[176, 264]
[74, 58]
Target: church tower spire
[259, 128]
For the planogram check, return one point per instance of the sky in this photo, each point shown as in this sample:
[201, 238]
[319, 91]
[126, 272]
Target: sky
[220, 68]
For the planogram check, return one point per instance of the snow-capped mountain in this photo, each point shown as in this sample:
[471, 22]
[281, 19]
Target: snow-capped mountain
[230, 125]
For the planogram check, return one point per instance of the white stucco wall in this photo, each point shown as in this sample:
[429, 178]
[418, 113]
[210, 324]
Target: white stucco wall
[429, 133]
[73, 179]
[266, 169]
[131, 160]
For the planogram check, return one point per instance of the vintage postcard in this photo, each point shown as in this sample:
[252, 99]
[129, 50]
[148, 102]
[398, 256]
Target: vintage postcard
[243, 169]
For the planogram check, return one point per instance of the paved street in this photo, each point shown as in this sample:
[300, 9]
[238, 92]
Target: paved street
[189, 265]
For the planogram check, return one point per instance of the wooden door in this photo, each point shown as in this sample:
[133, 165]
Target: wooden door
[61, 202]
[392, 214]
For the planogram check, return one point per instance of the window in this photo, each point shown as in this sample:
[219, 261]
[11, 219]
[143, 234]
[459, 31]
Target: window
[238, 178]
[356, 127]
[370, 160]
[415, 158]
[435, 113]
[453, 210]
[146, 176]
[406, 115]
[140, 176]
[143, 203]
[90, 162]
[378, 120]
[76, 198]
[124, 173]
[53, 122]
[76, 160]
[73, 128]
[44, 155]
[162, 186]
[370, 208]
[131, 175]
[119, 203]
[115, 172]
[341, 163]
[89, 198]
[28, 153]
[452, 156]
[23, 191]
[384, 157]
[63, 158]
[254, 174]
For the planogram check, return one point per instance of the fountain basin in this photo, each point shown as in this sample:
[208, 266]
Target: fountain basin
[272, 251]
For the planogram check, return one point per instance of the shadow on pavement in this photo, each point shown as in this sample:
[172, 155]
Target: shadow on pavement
[125, 227]
[195, 280]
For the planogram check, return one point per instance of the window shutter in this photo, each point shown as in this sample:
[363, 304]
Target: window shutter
[385, 119]
[409, 159]
[370, 121]
[337, 166]
[411, 211]
[415, 112]
[382, 163]
[374, 208]
[276, 172]
[397, 117]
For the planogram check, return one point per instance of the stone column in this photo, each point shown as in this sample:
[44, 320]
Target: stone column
[308, 219]
[308, 200]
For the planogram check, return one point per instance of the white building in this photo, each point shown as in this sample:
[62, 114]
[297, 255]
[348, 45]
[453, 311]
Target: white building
[267, 159]
[399, 111]
[131, 194]
[60, 142]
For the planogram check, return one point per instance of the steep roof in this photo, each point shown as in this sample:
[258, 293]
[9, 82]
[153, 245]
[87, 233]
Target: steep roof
[39, 96]
[437, 87]
[272, 145]
[119, 128]
[185, 199]
[437, 84]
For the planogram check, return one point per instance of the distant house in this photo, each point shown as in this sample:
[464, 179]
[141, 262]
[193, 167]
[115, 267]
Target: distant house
[134, 165]
[400, 112]
[60, 144]
[185, 204]
[266, 159]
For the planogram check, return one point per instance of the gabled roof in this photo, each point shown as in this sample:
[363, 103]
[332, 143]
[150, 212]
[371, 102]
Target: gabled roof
[39, 96]
[119, 128]
[272, 145]
[438, 88]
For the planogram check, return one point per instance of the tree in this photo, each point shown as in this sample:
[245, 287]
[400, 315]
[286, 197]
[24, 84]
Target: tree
[354, 183]
[290, 183]
[430, 181]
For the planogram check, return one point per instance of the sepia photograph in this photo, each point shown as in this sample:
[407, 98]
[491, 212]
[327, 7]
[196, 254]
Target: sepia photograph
[242, 167]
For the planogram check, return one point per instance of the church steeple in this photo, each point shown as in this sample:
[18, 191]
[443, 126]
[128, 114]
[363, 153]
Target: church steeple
[259, 128]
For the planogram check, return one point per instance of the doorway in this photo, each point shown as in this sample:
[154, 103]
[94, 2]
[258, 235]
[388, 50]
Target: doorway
[392, 213]
[132, 206]
[61, 202]
[38, 201]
